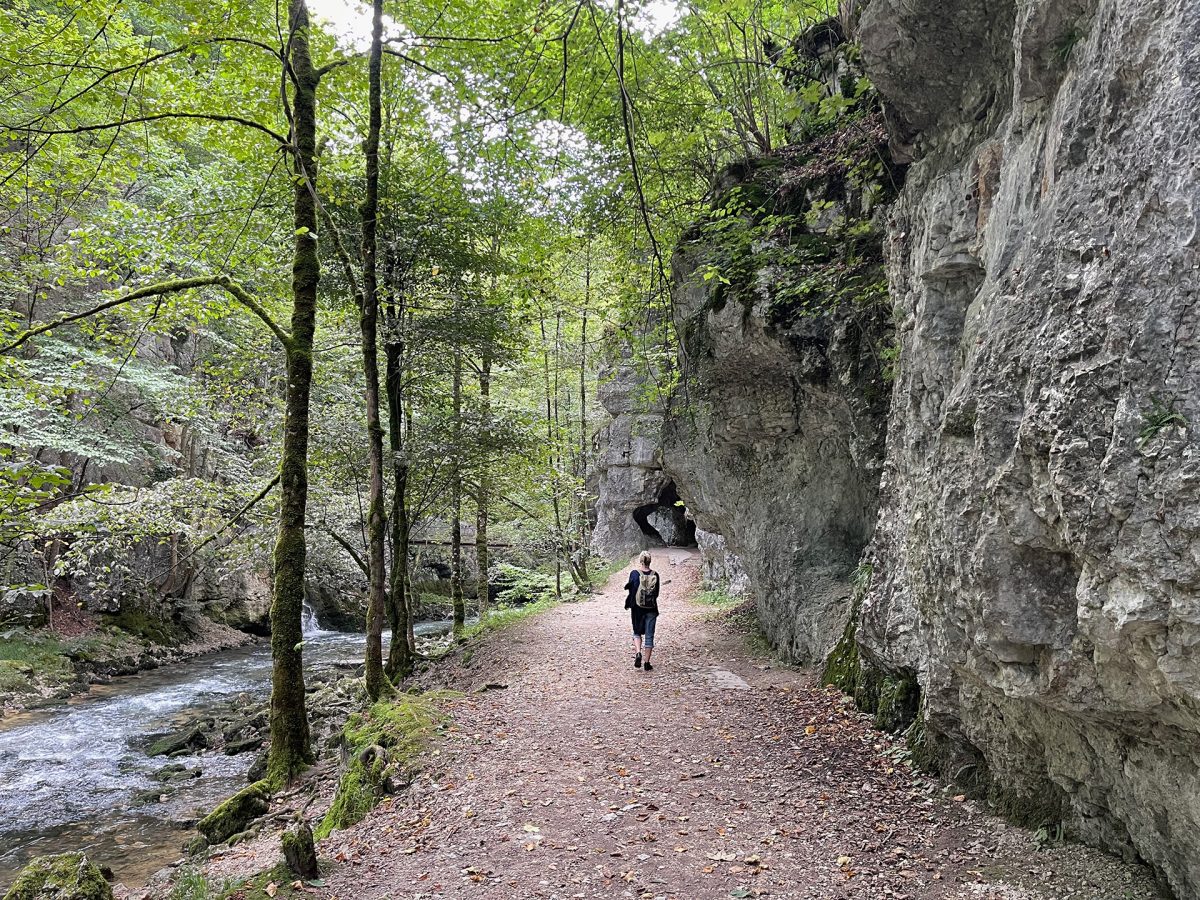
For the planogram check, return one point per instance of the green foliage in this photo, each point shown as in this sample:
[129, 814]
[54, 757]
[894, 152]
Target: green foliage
[801, 228]
[719, 599]
[1160, 416]
[518, 585]
[190, 884]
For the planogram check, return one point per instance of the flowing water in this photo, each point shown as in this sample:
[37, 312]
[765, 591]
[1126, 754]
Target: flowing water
[75, 776]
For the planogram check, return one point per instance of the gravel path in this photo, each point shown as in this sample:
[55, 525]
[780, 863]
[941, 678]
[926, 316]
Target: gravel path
[716, 775]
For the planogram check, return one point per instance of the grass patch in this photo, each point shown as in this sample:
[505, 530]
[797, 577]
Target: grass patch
[719, 599]
[382, 744]
[37, 650]
[501, 617]
[603, 571]
[30, 658]
[190, 884]
[255, 887]
[1161, 415]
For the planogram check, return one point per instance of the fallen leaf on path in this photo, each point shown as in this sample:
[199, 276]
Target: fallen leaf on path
[272, 889]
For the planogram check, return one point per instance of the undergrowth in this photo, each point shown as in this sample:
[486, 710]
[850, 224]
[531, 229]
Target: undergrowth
[501, 617]
[599, 576]
[719, 599]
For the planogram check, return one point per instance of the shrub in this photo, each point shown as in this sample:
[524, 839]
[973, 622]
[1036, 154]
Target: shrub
[519, 585]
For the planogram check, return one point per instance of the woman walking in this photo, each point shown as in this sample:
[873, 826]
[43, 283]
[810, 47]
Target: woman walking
[642, 602]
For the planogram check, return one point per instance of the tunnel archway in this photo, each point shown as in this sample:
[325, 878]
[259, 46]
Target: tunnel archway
[666, 521]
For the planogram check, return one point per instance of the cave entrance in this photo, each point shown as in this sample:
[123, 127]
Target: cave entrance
[666, 520]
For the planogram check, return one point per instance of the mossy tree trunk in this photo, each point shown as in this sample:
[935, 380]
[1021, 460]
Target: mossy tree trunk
[584, 512]
[456, 493]
[291, 750]
[482, 495]
[376, 680]
[551, 442]
[399, 661]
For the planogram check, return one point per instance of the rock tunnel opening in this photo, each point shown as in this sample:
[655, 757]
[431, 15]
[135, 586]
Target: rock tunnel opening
[666, 520]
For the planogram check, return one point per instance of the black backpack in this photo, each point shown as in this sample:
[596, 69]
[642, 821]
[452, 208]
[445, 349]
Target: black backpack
[646, 590]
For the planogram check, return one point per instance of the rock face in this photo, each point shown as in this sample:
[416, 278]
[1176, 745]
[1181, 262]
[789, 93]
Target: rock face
[719, 566]
[1037, 558]
[775, 438]
[777, 448]
[637, 501]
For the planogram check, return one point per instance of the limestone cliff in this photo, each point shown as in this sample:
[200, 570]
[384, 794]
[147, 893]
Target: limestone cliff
[1037, 558]
[1031, 568]
[638, 505]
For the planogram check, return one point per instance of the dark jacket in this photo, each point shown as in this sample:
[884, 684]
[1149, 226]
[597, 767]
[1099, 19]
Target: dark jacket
[635, 578]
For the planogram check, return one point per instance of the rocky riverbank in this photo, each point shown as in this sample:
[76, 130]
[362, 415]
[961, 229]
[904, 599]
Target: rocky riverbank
[39, 666]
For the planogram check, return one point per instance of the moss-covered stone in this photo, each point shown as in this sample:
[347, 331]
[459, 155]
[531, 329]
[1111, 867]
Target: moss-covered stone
[894, 698]
[148, 625]
[232, 816]
[299, 851]
[188, 739]
[380, 747]
[68, 876]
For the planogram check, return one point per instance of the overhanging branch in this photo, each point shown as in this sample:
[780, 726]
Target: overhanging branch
[156, 290]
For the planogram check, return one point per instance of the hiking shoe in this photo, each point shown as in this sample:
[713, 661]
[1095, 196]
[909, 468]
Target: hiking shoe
[637, 661]
[648, 667]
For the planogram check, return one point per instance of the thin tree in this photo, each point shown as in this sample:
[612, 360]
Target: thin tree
[376, 679]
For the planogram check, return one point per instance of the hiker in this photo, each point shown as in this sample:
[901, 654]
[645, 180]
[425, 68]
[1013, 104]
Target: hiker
[642, 602]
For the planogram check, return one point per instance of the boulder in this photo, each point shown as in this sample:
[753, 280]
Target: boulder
[67, 876]
[232, 816]
[187, 740]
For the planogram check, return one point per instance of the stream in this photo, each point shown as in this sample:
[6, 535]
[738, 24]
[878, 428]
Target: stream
[72, 775]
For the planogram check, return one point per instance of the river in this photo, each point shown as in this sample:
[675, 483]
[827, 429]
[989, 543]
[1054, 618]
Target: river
[73, 776]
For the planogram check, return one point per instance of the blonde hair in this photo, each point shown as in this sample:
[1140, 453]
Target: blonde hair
[644, 559]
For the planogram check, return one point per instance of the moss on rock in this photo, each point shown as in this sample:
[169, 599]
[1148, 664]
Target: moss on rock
[299, 851]
[68, 876]
[380, 746]
[894, 698]
[232, 816]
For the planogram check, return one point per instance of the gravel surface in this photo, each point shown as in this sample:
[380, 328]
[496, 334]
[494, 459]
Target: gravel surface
[569, 774]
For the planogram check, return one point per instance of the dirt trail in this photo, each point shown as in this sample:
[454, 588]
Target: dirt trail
[716, 775]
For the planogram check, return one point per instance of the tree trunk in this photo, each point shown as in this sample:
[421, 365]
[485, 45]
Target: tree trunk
[456, 574]
[290, 748]
[376, 679]
[584, 512]
[552, 443]
[399, 659]
[482, 499]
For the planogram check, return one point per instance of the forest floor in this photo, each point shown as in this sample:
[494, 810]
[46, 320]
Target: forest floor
[568, 773]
